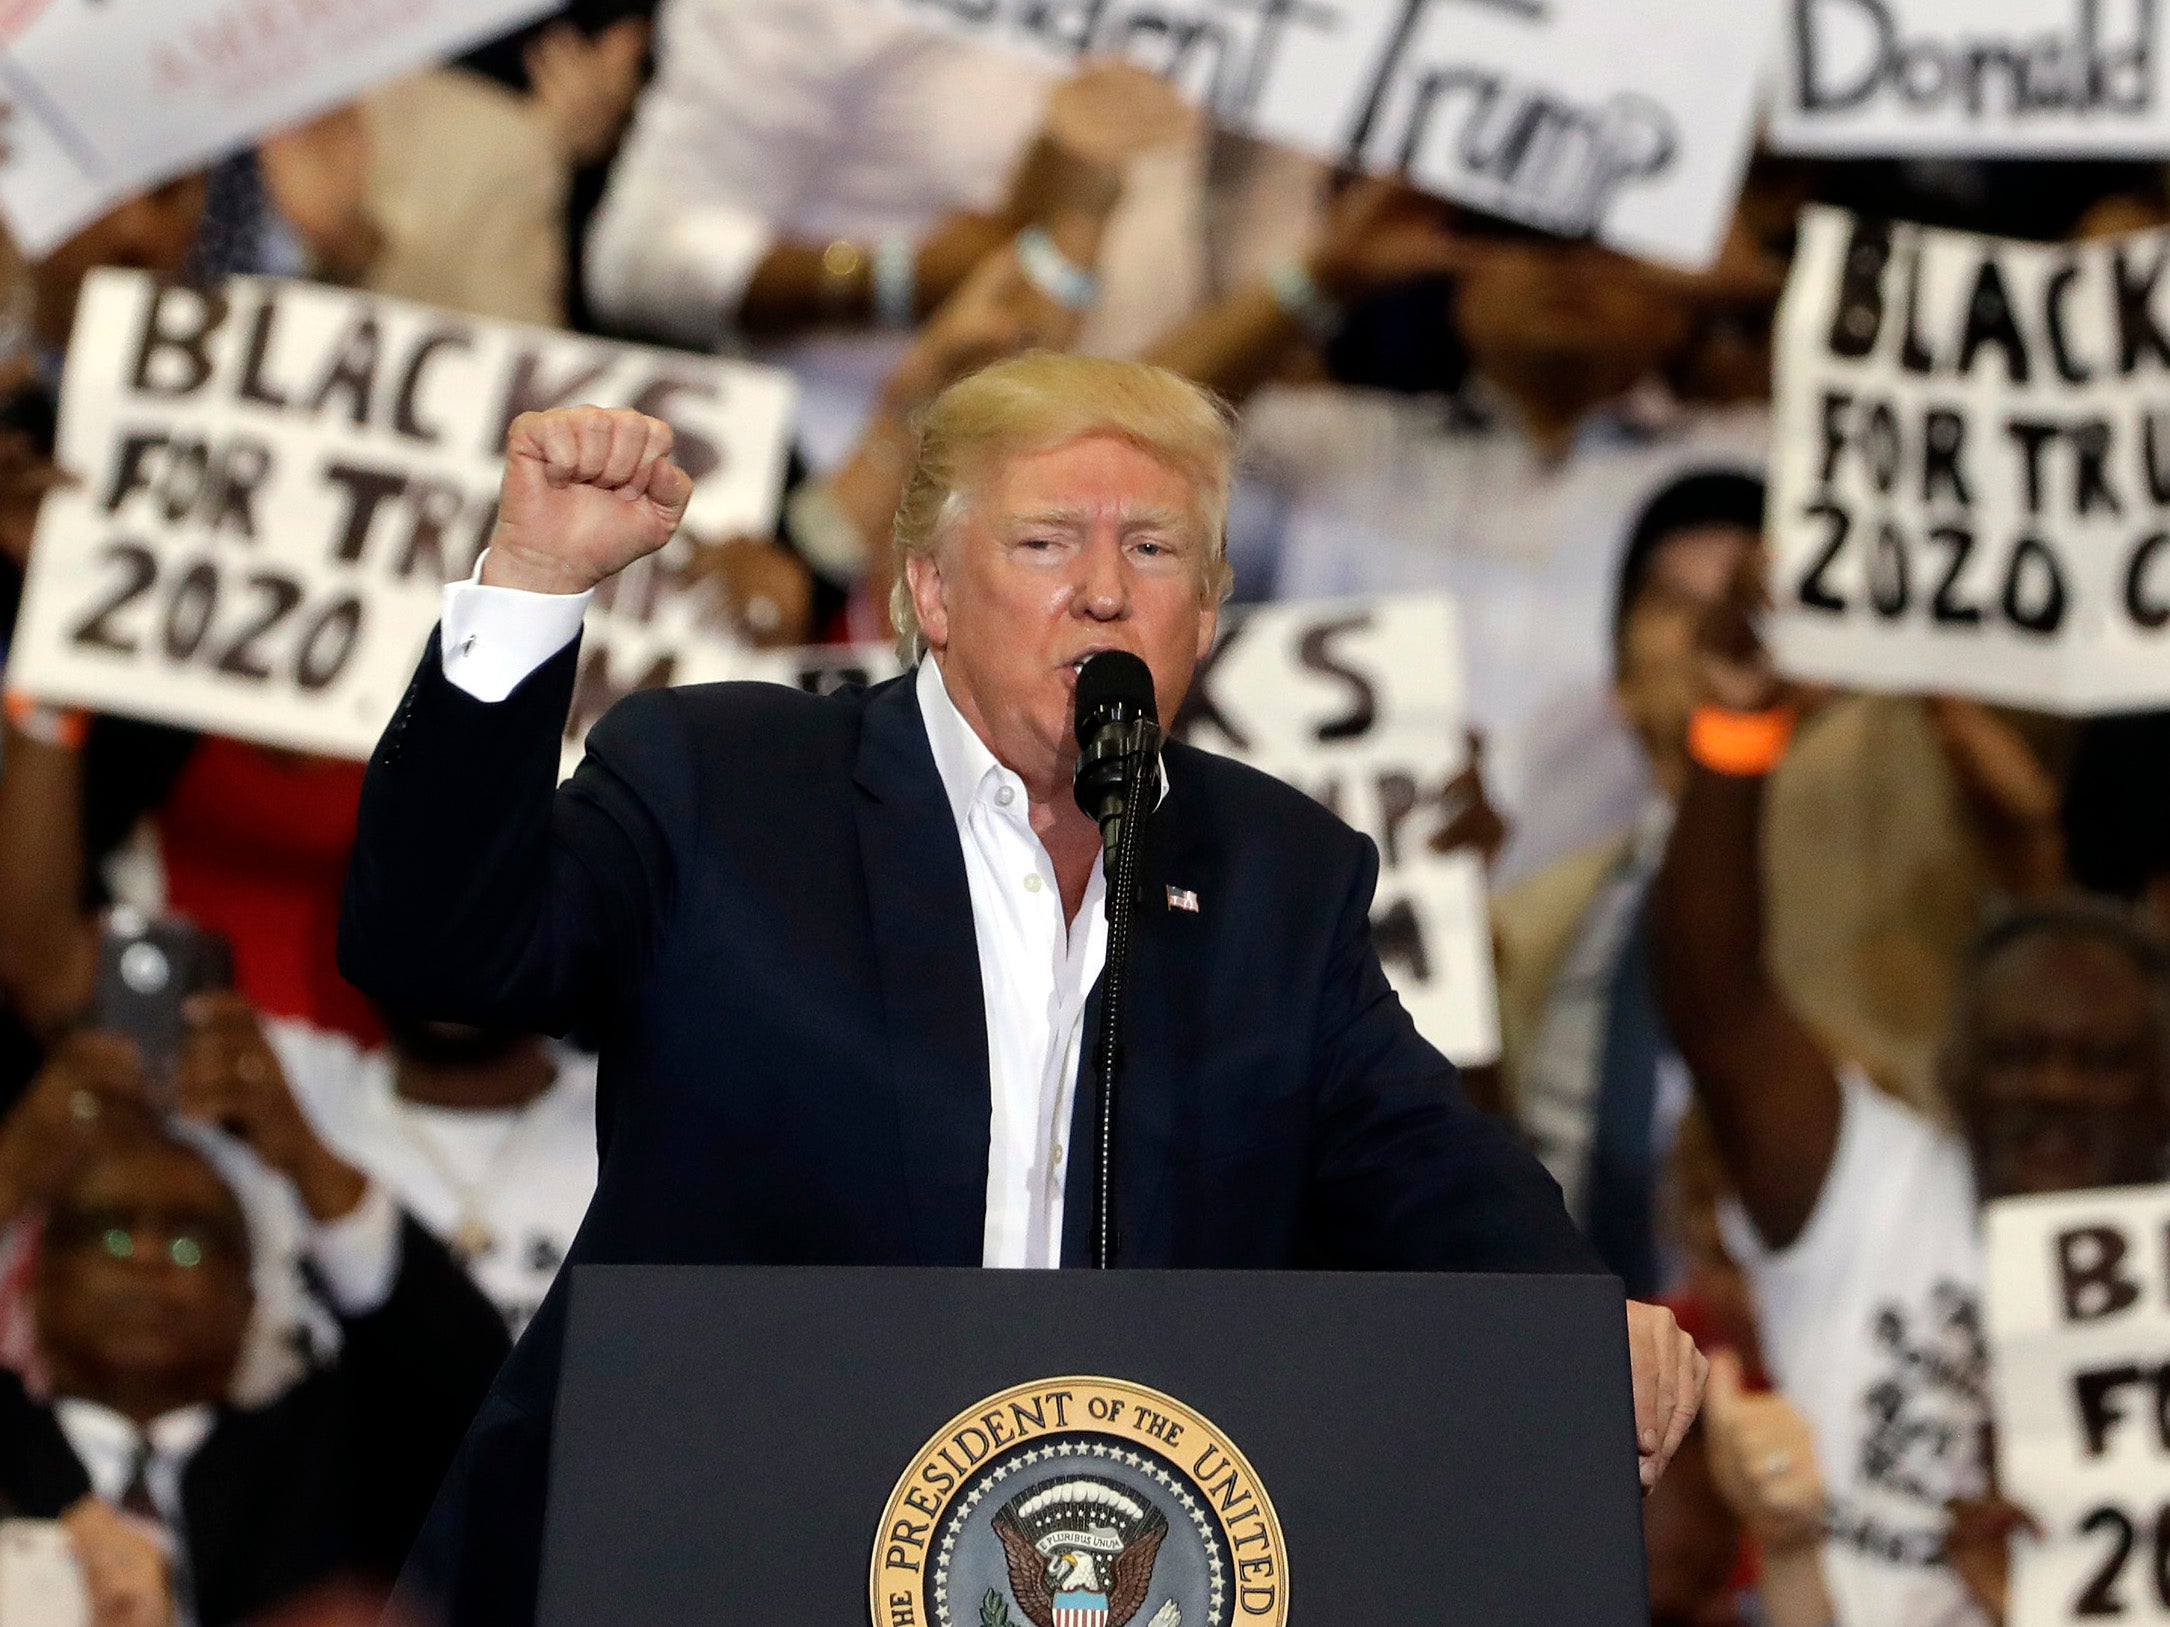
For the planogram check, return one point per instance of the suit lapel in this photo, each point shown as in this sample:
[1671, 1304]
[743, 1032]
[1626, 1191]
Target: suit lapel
[928, 955]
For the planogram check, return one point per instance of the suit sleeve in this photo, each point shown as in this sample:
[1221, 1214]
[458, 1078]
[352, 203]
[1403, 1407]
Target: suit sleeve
[479, 890]
[1407, 1174]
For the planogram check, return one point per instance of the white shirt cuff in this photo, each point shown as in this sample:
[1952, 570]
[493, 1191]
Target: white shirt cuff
[358, 1254]
[494, 637]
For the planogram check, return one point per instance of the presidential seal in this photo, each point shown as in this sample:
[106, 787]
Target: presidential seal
[1079, 1502]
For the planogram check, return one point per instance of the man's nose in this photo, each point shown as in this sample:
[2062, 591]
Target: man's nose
[1103, 587]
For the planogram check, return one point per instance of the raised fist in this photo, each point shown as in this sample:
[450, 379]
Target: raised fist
[587, 491]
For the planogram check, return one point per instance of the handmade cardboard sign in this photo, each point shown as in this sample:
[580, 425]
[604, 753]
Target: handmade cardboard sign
[1971, 465]
[2041, 77]
[107, 97]
[1630, 122]
[275, 480]
[2079, 1343]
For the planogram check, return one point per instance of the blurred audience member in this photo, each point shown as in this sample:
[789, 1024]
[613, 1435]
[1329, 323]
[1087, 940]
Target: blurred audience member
[2116, 810]
[1515, 494]
[150, 232]
[828, 170]
[442, 187]
[247, 841]
[488, 1139]
[1594, 1078]
[839, 522]
[1856, 1217]
[584, 66]
[144, 1300]
[1729, 354]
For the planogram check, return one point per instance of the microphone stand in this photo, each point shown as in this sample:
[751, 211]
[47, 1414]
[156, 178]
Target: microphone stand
[1119, 835]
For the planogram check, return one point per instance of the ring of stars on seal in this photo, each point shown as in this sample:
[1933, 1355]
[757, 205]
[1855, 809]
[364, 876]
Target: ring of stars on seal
[1085, 1452]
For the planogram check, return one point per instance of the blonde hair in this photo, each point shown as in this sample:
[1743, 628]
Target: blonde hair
[1039, 401]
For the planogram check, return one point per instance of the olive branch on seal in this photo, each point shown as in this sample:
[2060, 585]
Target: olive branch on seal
[995, 1611]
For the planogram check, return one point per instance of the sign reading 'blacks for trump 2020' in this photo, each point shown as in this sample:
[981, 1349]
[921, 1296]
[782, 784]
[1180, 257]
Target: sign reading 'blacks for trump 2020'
[2079, 1340]
[1971, 465]
[274, 480]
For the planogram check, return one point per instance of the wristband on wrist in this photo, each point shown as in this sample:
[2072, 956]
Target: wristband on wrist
[1297, 293]
[1053, 272]
[896, 281]
[1743, 745]
[64, 726]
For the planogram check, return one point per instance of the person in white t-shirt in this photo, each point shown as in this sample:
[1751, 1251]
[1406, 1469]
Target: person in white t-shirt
[487, 1139]
[816, 176]
[1515, 493]
[1856, 1217]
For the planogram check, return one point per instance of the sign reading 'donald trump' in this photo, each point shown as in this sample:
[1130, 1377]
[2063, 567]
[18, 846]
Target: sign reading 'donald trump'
[1359, 704]
[2079, 1341]
[109, 96]
[1971, 465]
[275, 479]
[1972, 76]
[1626, 119]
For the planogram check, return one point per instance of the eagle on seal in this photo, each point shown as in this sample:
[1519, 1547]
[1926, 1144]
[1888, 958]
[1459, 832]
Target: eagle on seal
[1081, 1551]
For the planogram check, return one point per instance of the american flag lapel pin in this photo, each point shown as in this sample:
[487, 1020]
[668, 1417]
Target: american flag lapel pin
[1182, 898]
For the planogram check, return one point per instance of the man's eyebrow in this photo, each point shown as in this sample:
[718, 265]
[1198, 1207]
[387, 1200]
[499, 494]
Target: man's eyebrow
[1133, 519]
[1072, 517]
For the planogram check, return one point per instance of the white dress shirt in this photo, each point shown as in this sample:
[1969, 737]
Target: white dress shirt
[1036, 969]
[107, 1444]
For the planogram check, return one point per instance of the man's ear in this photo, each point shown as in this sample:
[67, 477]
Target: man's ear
[930, 601]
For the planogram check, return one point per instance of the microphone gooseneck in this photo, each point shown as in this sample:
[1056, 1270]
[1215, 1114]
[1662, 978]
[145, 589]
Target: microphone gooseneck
[1118, 736]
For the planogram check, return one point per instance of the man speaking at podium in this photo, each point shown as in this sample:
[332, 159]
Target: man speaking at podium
[841, 952]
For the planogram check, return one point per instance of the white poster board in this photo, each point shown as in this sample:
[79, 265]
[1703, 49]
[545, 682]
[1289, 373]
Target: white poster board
[1629, 119]
[1359, 704]
[1970, 465]
[2079, 1340]
[1912, 77]
[108, 97]
[275, 482]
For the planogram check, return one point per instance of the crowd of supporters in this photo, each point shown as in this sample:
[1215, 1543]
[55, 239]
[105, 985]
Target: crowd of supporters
[1776, 1033]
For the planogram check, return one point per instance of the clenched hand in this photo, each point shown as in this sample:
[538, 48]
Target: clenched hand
[587, 491]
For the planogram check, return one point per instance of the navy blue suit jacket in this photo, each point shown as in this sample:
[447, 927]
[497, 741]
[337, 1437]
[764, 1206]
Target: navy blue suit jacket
[756, 899]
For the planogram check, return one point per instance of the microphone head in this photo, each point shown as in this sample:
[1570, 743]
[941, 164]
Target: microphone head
[1113, 686]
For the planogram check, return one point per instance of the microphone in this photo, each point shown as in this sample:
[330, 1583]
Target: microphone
[1118, 737]
[1118, 723]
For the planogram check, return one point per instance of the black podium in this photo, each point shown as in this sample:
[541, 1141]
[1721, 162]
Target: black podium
[768, 1447]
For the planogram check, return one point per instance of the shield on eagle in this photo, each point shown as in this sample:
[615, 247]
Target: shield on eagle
[1081, 1551]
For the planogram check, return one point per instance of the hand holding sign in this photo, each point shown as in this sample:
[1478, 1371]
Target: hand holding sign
[1381, 234]
[1978, 1546]
[1733, 664]
[587, 491]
